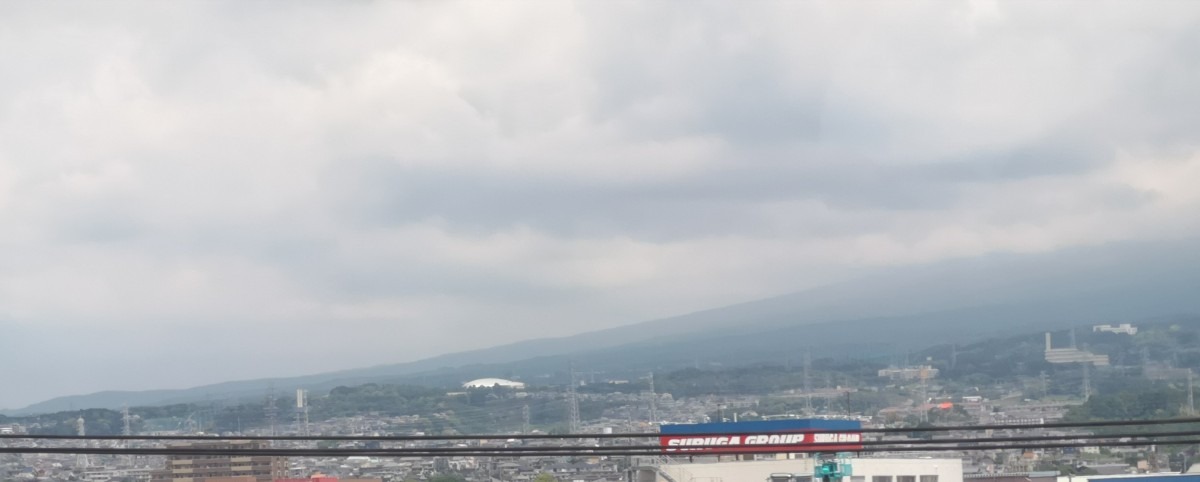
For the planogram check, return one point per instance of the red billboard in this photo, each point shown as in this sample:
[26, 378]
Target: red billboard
[766, 436]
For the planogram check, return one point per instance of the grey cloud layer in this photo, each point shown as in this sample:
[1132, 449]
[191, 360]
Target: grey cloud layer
[397, 180]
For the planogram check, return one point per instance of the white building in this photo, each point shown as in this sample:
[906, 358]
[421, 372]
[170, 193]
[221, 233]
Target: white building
[491, 382]
[1072, 355]
[1121, 329]
[801, 470]
[106, 474]
[909, 373]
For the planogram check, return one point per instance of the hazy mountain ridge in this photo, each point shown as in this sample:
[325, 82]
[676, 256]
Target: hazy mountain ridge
[1007, 357]
[899, 308]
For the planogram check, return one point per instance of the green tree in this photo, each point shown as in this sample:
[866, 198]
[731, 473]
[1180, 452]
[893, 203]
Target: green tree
[447, 478]
[544, 477]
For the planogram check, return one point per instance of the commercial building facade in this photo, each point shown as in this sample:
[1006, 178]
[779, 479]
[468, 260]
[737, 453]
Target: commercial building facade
[211, 468]
[801, 470]
[746, 437]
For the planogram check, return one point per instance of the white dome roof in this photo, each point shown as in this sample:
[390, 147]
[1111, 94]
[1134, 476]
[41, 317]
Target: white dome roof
[491, 382]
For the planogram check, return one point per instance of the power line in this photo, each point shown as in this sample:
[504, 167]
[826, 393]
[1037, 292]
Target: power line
[951, 428]
[961, 442]
[824, 445]
[558, 451]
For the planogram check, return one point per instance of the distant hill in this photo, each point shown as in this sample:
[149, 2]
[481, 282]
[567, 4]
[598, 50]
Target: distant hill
[880, 316]
[1162, 347]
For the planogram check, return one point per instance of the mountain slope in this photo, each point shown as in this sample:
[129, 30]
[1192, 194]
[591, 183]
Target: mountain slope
[901, 308]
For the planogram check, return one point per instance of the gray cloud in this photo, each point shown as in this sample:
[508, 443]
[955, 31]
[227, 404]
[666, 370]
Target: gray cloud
[461, 175]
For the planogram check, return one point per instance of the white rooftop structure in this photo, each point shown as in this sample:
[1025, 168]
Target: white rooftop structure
[491, 382]
[1121, 329]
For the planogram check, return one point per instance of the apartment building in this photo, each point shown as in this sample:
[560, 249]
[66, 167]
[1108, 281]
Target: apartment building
[209, 468]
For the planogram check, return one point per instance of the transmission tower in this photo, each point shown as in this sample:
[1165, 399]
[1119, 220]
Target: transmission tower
[924, 376]
[525, 418]
[1087, 381]
[127, 428]
[807, 382]
[272, 412]
[1191, 408]
[81, 460]
[653, 401]
[302, 412]
[572, 404]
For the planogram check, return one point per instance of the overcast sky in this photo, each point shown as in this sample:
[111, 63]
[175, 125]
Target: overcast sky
[194, 192]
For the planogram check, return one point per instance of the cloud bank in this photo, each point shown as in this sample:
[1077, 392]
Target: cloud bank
[196, 192]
